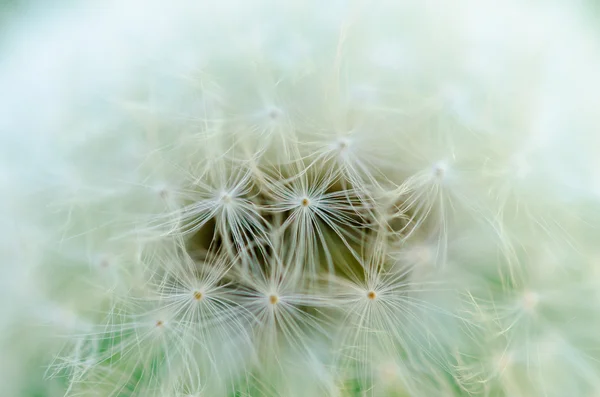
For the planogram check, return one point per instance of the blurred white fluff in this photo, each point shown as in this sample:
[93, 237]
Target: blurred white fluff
[300, 198]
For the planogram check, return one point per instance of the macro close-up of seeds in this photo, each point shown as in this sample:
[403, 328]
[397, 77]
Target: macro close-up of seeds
[298, 198]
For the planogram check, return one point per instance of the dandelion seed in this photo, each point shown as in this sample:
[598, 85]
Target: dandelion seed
[343, 144]
[274, 113]
[225, 198]
[440, 170]
[530, 300]
[163, 193]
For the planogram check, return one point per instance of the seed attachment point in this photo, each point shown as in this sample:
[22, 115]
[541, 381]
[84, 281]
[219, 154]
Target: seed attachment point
[273, 299]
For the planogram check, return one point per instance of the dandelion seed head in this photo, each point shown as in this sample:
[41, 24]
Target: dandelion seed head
[296, 198]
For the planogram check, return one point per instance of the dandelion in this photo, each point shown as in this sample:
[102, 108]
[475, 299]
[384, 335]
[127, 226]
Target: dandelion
[299, 198]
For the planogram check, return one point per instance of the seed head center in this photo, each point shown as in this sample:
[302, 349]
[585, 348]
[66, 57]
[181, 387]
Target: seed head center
[226, 198]
[530, 300]
[197, 295]
[343, 144]
[305, 202]
[439, 170]
[273, 299]
[274, 114]
[371, 295]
